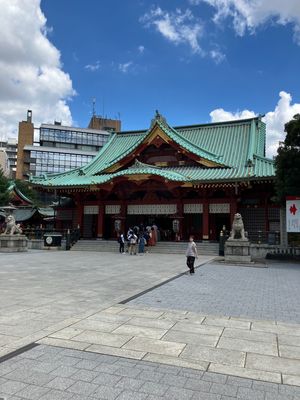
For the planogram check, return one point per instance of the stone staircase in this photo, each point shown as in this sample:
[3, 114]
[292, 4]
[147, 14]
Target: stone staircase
[112, 246]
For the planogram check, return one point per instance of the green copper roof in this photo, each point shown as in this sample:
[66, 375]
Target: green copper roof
[237, 147]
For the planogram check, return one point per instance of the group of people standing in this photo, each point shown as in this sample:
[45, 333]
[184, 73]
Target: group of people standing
[137, 238]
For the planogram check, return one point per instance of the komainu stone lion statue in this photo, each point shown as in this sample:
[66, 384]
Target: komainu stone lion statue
[238, 230]
[11, 226]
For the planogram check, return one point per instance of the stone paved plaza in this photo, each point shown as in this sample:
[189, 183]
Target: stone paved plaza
[221, 334]
[271, 293]
[55, 373]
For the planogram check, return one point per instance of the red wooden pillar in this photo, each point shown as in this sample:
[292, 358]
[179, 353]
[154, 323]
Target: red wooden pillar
[100, 222]
[205, 221]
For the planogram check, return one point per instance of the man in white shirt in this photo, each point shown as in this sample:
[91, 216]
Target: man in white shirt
[191, 253]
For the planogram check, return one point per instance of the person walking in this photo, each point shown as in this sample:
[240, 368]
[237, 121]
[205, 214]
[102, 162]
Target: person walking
[191, 253]
[121, 241]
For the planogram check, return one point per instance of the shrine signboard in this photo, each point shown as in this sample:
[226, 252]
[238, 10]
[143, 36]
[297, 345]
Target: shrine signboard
[293, 214]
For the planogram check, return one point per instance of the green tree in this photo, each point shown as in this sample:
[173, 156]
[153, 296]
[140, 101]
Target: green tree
[288, 162]
[4, 184]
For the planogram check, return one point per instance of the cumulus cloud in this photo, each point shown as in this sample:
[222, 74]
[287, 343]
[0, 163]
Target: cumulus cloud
[179, 27]
[219, 114]
[93, 67]
[275, 120]
[247, 15]
[31, 75]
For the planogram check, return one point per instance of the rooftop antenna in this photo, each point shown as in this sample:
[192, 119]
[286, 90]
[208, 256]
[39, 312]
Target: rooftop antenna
[94, 106]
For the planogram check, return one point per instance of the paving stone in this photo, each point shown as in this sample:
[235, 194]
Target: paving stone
[174, 380]
[106, 379]
[106, 339]
[155, 346]
[57, 395]
[86, 364]
[12, 387]
[157, 389]
[224, 389]
[175, 393]
[151, 376]
[276, 364]
[141, 331]
[237, 381]
[276, 396]
[160, 358]
[246, 372]
[85, 375]
[211, 377]
[214, 355]
[198, 384]
[107, 393]
[114, 351]
[131, 395]
[192, 338]
[128, 371]
[250, 394]
[83, 388]
[60, 383]
[265, 386]
[225, 322]
[206, 396]
[130, 383]
[289, 390]
[64, 371]
[248, 346]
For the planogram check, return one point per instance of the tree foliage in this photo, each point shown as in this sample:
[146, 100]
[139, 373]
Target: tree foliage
[4, 184]
[288, 162]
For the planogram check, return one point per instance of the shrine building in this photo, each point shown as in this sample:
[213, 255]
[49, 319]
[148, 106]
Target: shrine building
[186, 180]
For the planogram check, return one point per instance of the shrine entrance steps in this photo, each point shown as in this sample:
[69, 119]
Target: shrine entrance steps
[204, 248]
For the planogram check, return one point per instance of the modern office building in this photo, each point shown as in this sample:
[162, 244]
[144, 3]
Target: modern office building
[10, 147]
[59, 148]
[4, 163]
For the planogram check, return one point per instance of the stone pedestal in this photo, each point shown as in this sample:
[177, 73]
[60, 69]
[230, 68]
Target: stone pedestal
[13, 243]
[237, 250]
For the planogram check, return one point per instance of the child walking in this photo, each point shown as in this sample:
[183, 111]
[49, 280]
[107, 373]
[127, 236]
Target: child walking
[191, 253]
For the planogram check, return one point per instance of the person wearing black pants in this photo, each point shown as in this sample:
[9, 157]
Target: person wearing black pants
[121, 241]
[191, 255]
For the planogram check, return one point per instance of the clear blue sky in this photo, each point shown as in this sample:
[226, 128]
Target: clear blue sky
[134, 59]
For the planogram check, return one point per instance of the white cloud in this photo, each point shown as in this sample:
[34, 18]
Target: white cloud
[125, 67]
[93, 67]
[178, 27]
[220, 114]
[31, 75]
[217, 56]
[250, 14]
[275, 120]
[141, 49]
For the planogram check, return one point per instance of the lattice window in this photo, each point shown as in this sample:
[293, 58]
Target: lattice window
[91, 209]
[193, 208]
[112, 209]
[221, 208]
[151, 209]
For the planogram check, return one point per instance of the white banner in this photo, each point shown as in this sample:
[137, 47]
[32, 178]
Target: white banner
[293, 215]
